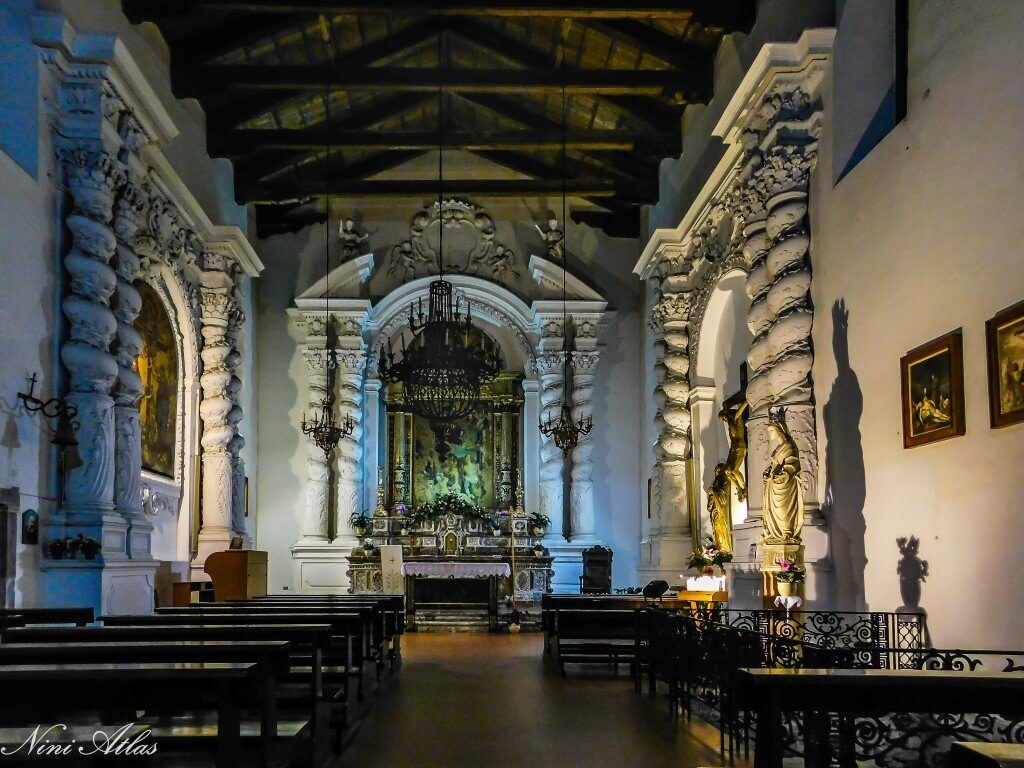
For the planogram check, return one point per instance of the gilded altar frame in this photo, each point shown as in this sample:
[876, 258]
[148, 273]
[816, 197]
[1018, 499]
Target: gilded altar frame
[501, 410]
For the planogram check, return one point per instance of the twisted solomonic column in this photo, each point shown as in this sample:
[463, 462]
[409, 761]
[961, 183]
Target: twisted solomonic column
[215, 411]
[126, 304]
[93, 178]
[314, 525]
[780, 317]
[550, 371]
[349, 399]
[237, 442]
[581, 494]
[671, 316]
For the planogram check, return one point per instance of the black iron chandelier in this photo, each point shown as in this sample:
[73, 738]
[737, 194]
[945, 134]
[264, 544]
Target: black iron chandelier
[444, 368]
[566, 430]
[327, 432]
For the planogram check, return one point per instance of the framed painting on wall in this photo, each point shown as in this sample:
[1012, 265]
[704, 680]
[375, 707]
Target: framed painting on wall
[932, 378]
[1004, 334]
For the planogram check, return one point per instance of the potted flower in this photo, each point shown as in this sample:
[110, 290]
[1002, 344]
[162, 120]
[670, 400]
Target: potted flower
[701, 563]
[539, 524]
[360, 522]
[57, 548]
[368, 548]
[89, 547]
[515, 620]
[495, 526]
[790, 574]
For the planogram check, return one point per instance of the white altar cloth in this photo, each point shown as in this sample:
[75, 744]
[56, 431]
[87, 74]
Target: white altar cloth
[456, 570]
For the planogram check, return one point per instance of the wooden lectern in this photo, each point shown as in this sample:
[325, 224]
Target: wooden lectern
[238, 574]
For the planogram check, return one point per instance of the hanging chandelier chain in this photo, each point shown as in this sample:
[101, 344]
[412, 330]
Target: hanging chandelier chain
[565, 431]
[443, 369]
[325, 431]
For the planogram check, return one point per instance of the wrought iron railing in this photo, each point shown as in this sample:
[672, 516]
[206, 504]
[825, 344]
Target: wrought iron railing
[699, 656]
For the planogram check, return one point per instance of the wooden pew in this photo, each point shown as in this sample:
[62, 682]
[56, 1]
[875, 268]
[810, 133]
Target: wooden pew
[583, 636]
[341, 660]
[79, 617]
[352, 628]
[316, 639]
[82, 688]
[866, 692]
[381, 642]
[271, 658]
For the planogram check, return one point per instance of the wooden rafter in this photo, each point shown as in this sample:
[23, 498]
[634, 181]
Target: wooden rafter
[614, 82]
[337, 187]
[242, 142]
[140, 10]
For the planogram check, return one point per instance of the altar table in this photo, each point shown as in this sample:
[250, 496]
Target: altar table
[453, 586]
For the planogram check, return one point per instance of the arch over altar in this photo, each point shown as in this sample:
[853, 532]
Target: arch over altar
[529, 333]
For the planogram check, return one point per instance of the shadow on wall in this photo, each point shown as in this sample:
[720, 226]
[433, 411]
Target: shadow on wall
[845, 483]
[912, 572]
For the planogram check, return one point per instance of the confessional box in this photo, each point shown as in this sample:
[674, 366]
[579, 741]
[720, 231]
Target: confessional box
[238, 574]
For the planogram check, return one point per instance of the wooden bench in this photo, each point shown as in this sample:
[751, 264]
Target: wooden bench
[79, 617]
[82, 688]
[271, 657]
[302, 687]
[865, 692]
[388, 622]
[583, 636]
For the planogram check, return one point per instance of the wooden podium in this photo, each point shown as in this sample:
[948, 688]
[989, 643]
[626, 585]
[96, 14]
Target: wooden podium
[238, 574]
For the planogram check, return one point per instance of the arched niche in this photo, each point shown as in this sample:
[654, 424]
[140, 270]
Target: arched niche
[723, 339]
[170, 499]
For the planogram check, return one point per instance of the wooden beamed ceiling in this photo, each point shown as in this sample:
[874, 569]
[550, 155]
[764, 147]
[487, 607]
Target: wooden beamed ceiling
[318, 98]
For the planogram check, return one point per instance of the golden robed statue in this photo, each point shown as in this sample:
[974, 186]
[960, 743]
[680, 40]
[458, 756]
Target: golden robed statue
[734, 417]
[783, 496]
[719, 504]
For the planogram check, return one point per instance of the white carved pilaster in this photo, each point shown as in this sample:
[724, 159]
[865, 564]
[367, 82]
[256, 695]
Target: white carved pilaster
[314, 526]
[129, 220]
[581, 494]
[349, 366]
[550, 372]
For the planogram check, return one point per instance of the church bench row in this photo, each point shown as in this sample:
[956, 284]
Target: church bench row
[393, 607]
[585, 636]
[341, 658]
[309, 698]
[379, 626]
[81, 688]
[80, 617]
[549, 603]
[271, 658]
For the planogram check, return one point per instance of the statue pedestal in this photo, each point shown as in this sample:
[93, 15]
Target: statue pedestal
[773, 555]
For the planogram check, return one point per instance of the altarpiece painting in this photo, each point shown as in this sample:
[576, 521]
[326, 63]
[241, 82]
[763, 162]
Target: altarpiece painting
[158, 367]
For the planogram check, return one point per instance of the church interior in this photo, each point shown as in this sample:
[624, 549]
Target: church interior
[445, 383]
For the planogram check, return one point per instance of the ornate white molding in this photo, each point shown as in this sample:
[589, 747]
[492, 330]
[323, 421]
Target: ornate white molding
[749, 216]
[548, 275]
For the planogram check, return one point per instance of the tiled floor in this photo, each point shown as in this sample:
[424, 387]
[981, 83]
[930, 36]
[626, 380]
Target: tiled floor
[476, 700]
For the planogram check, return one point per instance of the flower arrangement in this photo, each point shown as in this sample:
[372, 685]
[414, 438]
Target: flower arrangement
[790, 572]
[539, 523]
[451, 504]
[707, 557]
[360, 522]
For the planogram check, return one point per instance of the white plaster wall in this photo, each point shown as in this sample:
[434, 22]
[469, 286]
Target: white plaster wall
[923, 237]
[293, 262]
[31, 244]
